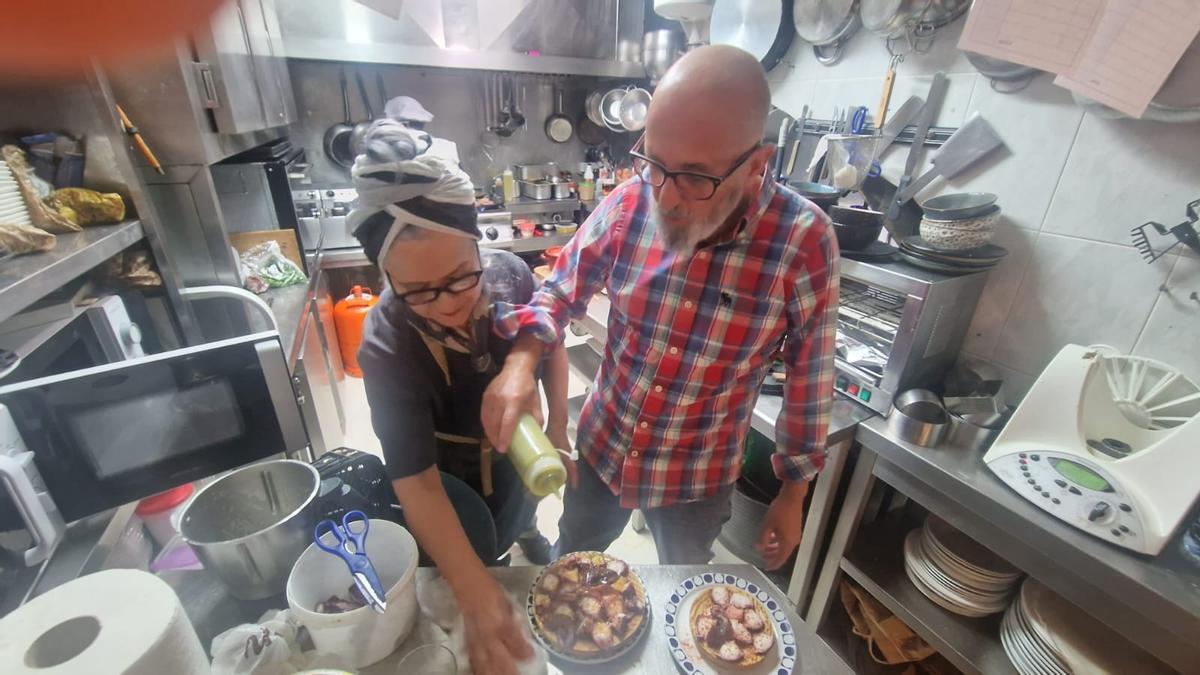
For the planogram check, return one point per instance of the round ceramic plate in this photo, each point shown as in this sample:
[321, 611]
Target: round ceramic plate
[624, 647]
[677, 624]
[952, 599]
[982, 254]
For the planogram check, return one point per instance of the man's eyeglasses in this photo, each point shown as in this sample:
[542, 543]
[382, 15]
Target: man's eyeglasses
[693, 185]
[455, 286]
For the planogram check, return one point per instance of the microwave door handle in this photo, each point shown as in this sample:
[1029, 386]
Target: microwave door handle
[273, 363]
[45, 526]
[233, 293]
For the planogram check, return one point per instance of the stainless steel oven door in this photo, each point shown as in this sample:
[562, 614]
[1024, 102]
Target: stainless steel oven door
[116, 433]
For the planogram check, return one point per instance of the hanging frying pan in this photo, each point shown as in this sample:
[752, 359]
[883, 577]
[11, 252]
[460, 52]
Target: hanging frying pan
[337, 137]
[762, 27]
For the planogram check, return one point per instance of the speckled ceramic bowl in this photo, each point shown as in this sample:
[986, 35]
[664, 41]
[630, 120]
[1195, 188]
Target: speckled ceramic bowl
[960, 235]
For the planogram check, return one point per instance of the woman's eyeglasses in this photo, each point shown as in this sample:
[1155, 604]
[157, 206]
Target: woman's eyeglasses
[691, 184]
[455, 286]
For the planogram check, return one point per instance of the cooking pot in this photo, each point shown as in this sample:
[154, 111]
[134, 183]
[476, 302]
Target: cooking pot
[827, 24]
[249, 526]
[918, 18]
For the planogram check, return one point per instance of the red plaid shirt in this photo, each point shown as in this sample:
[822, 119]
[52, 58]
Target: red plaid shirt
[690, 339]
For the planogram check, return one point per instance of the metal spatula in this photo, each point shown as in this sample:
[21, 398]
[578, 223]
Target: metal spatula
[971, 143]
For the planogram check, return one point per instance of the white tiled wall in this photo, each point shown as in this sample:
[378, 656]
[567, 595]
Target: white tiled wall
[1072, 185]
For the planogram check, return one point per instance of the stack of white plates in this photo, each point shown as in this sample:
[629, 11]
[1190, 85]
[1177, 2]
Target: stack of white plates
[1043, 634]
[956, 572]
[12, 205]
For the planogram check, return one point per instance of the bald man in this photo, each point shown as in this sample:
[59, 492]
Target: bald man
[711, 269]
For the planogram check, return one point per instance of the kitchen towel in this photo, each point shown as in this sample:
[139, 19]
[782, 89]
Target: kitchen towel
[115, 621]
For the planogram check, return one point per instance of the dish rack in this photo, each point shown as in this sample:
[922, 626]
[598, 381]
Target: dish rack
[899, 327]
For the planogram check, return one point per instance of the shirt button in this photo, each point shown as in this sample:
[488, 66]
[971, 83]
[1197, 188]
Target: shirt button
[688, 304]
[644, 425]
[658, 388]
[634, 453]
[673, 350]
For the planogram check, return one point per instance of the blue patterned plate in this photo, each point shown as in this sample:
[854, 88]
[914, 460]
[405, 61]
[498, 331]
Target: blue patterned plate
[677, 624]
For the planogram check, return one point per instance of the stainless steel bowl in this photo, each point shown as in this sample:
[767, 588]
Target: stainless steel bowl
[918, 417]
[660, 49]
[250, 526]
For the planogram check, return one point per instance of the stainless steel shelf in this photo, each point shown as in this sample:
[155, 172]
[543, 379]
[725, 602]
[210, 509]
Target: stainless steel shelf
[523, 206]
[1152, 601]
[530, 244]
[876, 562]
[28, 278]
[341, 50]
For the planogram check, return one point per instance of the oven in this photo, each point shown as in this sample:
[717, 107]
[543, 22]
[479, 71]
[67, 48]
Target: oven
[899, 327]
[258, 189]
[82, 442]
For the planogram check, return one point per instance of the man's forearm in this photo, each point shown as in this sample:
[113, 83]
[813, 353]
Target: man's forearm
[555, 382]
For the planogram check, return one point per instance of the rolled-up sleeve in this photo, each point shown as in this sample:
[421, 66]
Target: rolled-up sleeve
[803, 425]
[581, 270]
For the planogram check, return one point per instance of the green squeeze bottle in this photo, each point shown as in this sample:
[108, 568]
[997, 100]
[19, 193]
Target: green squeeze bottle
[535, 459]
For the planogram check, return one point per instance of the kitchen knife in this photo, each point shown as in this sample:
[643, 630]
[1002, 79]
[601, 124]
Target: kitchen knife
[933, 104]
[973, 140]
[900, 119]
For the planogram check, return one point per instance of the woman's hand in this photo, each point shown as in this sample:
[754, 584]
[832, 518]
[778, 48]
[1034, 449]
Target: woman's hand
[557, 433]
[512, 393]
[495, 639]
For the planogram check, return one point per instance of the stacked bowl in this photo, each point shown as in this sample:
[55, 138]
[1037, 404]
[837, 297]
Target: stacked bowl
[955, 234]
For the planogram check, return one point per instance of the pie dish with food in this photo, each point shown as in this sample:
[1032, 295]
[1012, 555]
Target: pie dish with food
[731, 627]
[588, 607]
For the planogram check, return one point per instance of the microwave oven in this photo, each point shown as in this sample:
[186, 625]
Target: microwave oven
[83, 442]
[62, 337]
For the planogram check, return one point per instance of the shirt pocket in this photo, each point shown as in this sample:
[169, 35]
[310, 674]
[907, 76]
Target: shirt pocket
[744, 329]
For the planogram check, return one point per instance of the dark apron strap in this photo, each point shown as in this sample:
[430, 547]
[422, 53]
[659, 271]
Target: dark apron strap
[485, 447]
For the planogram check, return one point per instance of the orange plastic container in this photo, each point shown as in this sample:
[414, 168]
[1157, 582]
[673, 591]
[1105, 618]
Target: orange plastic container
[348, 316]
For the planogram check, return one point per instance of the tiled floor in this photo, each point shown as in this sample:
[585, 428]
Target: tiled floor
[631, 546]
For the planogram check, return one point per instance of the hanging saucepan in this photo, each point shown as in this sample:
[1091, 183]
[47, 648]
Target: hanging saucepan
[761, 27]
[337, 137]
[828, 25]
[1006, 77]
[360, 130]
[913, 20]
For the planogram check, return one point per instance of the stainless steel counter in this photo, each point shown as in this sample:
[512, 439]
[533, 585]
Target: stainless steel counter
[1154, 602]
[212, 611]
[846, 416]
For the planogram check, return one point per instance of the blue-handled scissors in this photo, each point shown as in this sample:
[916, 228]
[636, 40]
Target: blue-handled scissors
[361, 569]
[858, 120]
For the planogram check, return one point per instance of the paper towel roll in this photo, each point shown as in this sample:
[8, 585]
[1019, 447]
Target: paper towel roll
[116, 621]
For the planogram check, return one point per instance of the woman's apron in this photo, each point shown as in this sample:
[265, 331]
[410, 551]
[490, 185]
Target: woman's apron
[472, 460]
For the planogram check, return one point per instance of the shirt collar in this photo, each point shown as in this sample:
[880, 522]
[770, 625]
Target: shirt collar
[748, 222]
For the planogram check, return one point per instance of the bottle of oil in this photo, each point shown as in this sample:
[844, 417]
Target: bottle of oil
[535, 459]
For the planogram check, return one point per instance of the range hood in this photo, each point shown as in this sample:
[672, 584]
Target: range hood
[568, 37]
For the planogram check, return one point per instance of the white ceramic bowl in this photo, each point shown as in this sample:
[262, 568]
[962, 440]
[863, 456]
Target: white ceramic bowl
[361, 636]
[960, 235]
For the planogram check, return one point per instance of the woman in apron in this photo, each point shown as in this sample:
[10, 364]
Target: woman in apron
[427, 356]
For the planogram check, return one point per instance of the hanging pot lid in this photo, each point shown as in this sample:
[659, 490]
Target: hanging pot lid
[762, 27]
[822, 22]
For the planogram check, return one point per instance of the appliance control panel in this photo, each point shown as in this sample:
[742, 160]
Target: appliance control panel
[1076, 491]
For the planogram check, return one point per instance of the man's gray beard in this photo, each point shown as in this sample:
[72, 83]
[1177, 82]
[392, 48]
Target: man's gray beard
[684, 240]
